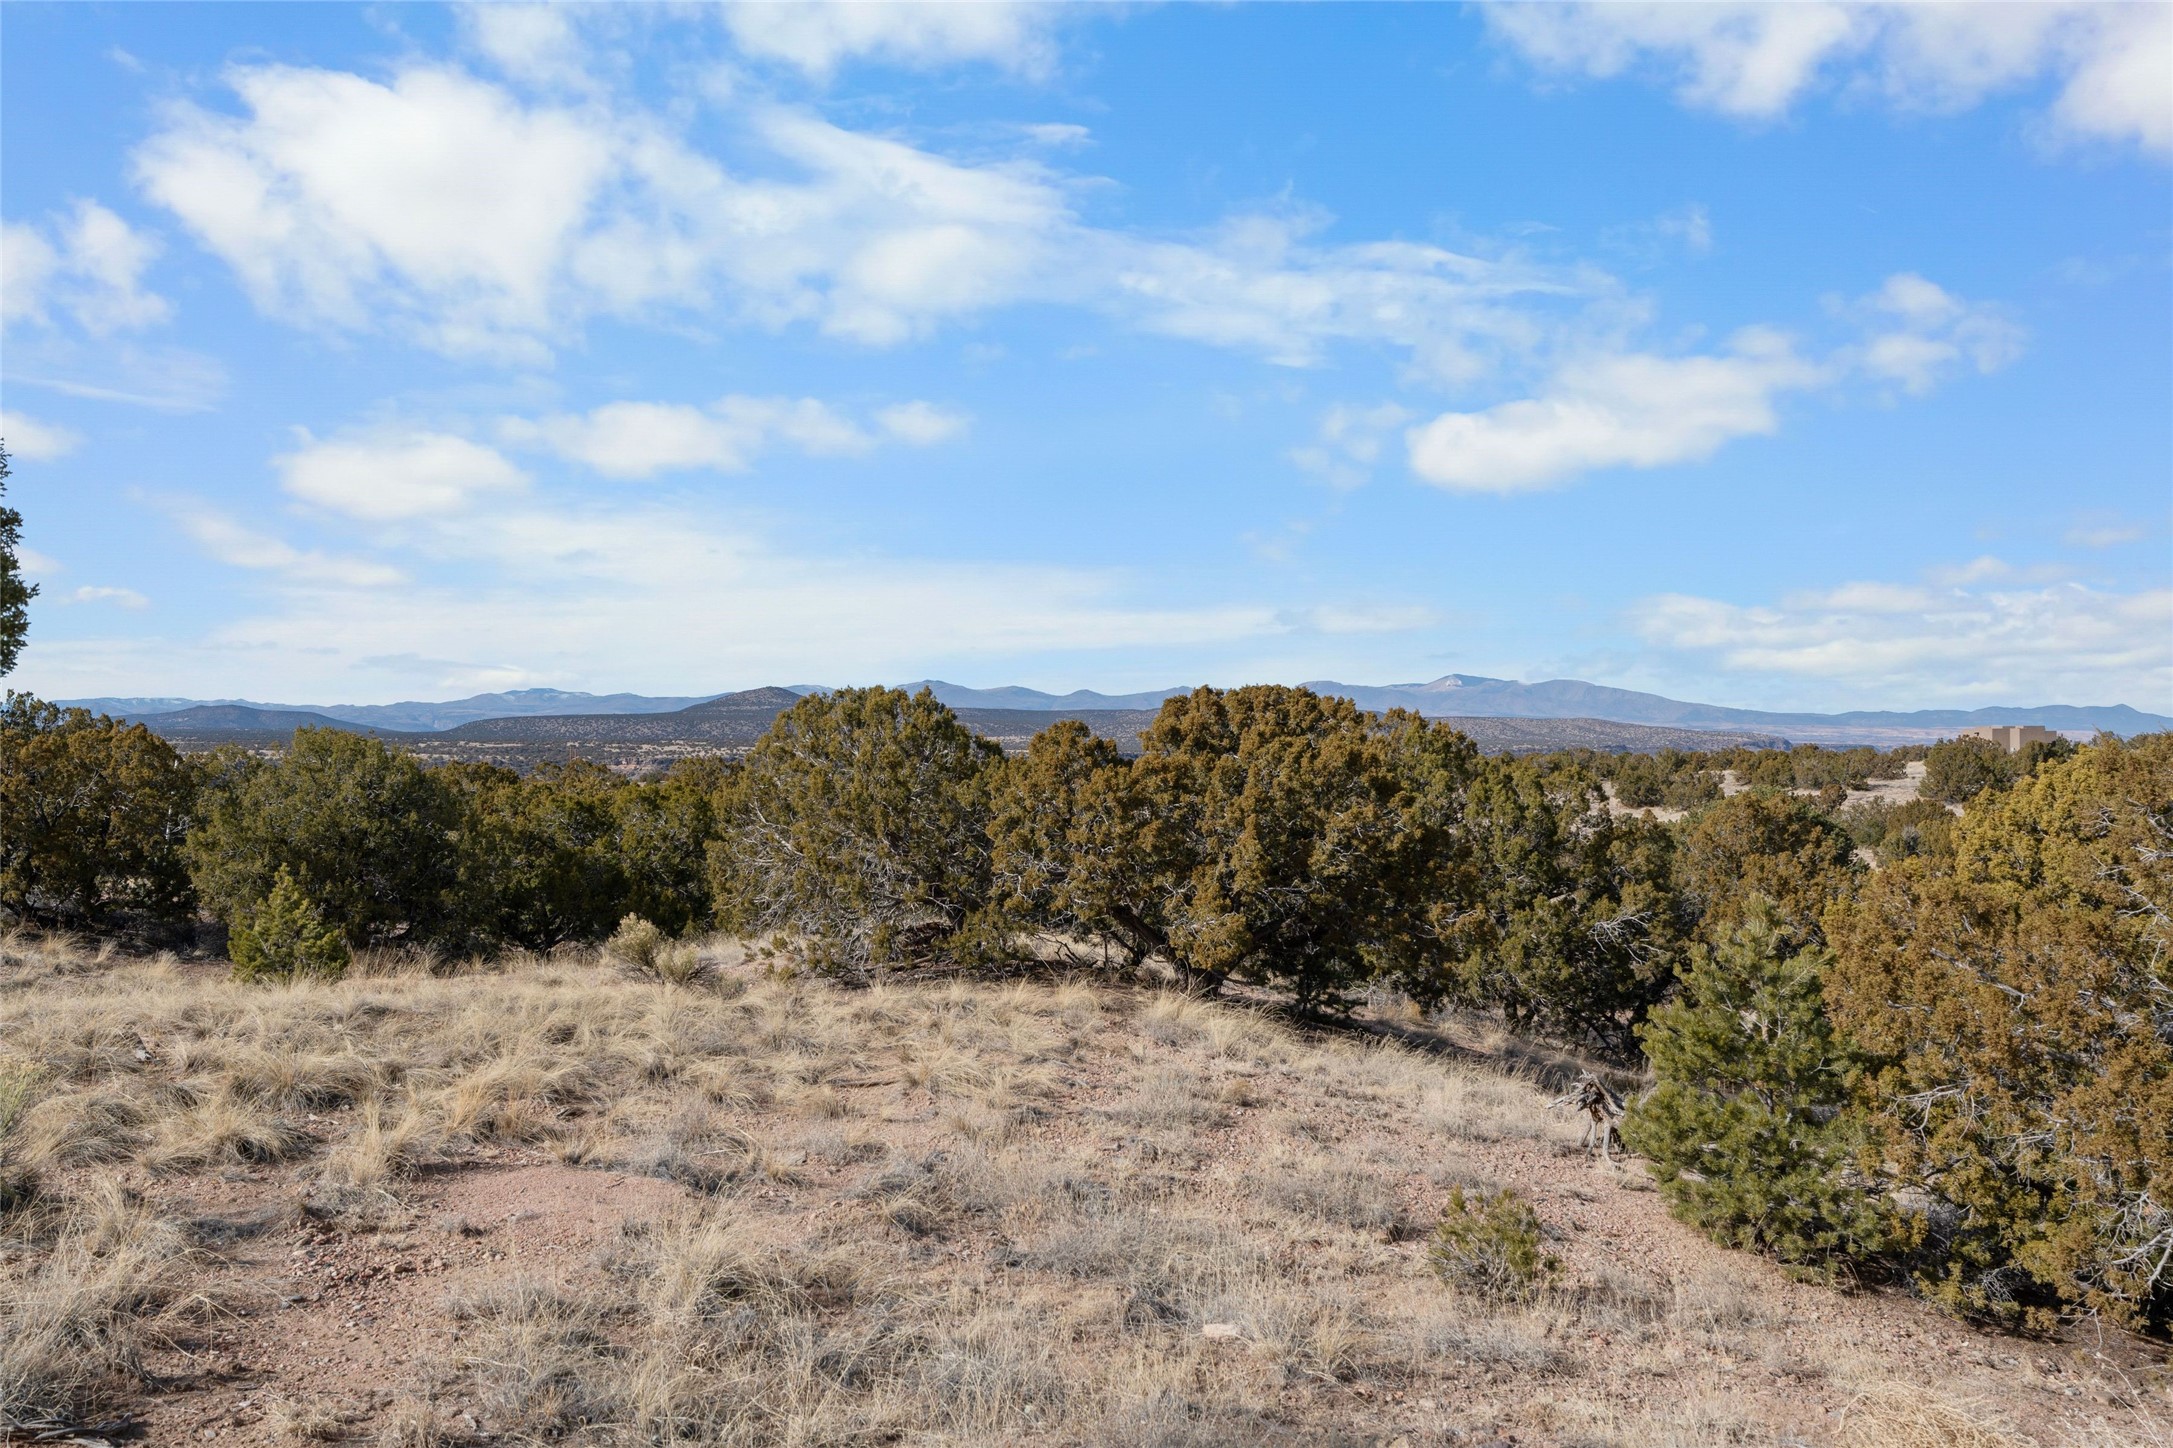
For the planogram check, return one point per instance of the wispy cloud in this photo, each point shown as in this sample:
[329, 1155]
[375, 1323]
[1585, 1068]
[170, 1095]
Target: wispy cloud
[108, 593]
[818, 39]
[87, 264]
[641, 439]
[527, 218]
[2112, 63]
[1641, 410]
[240, 546]
[1973, 639]
[33, 441]
[2106, 530]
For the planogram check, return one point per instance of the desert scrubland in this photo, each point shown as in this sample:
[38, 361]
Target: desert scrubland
[545, 1200]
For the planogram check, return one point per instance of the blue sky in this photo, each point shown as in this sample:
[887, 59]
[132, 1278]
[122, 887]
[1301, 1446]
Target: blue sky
[1814, 356]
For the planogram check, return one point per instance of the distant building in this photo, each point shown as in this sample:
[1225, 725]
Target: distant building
[2013, 738]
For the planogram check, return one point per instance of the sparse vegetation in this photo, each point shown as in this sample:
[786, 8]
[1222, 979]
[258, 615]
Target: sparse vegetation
[1489, 1244]
[647, 951]
[795, 1212]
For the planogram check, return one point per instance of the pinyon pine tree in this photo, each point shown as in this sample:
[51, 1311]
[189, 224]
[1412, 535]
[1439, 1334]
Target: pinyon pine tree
[1749, 1130]
[285, 938]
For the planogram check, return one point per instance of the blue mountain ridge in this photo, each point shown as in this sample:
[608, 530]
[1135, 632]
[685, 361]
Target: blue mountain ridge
[1451, 696]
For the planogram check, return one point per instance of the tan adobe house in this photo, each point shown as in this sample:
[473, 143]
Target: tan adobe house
[2011, 737]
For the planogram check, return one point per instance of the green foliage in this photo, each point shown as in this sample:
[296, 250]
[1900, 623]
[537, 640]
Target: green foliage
[1670, 779]
[285, 938]
[1956, 771]
[15, 594]
[1809, 767]
[1760, 844]
[538, 858]
[1489, 1244]
[92, 815]
[1896, 832]
[1292, 835]
[1559, 915]
[859, 825]
[665, 826]
[2019, 990]
[1077, 846]
[1748, 1127]
[368, 835]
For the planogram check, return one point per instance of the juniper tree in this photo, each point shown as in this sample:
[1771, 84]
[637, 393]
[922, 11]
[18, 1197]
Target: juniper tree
[538, 857]
[1560, 916]
[859, 825]
[368, 835]
[1078, 846]
[92, 816]
[2021, 989]
[1292, 849]
[1766, 845]
[1956, 771]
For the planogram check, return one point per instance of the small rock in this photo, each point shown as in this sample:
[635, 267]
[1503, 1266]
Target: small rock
[1220, 1330]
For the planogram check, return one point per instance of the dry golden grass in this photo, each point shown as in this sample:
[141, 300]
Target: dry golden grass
[1889, 1417]
[949, 1212]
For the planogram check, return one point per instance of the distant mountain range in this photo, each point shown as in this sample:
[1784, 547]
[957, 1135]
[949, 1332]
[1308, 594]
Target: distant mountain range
[732, 723]
[1471, 696]
[415, 716]
[1464, 696]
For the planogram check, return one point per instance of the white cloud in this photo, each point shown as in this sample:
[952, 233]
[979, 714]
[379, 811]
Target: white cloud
[539, 44]
[479, 223]
[2018, 644]
[387, 476]
[2112, 63]
[922, 424]
[88, 264]
[1924, 332]
[1343, 619]
[640, 590]
[438, 196]
[106, 593]
[33, 441]
[169, 379]
[1349, 443]
[1639, 410]
[27, 265]
[818, 38]
[239, 546]
[38, 565]
[1633, 410]
[2105, 530]
[640, 439]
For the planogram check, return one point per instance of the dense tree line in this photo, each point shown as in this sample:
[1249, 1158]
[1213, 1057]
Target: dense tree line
[1885, 1039]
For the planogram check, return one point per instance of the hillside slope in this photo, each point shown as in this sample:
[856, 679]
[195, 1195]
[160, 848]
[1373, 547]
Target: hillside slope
[765, 1212]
